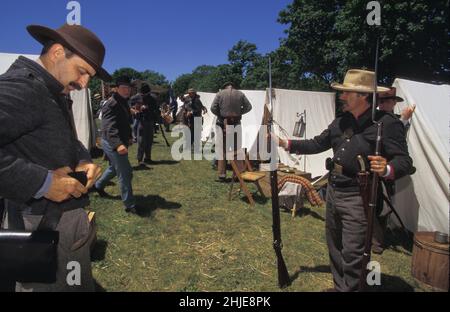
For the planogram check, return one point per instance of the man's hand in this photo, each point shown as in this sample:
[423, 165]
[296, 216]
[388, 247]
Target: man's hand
[278, 141]
[205, 110]
[408, 112]
[122, 150]
[282, 143]
[63, 187]
[93, 173]
[63, 171]
[378, 164]
[134, 111]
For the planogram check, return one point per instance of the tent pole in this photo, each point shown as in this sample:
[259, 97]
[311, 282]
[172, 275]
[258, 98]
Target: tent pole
[304, 167]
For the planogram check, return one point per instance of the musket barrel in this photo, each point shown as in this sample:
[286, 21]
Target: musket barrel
[283, 274]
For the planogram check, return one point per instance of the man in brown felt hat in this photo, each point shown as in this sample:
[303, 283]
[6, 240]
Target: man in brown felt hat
[387, 101]
[351, 135]
[39, 149]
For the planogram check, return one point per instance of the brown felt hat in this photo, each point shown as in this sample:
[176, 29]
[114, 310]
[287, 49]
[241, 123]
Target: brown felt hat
[79, 40]
[390, 95]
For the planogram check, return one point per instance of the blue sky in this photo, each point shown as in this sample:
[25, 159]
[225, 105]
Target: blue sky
[169, 36]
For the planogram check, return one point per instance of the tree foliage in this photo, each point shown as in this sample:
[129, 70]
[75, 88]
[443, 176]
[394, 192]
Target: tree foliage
[206, 78]
[326, 38]
[181, 84]
[154, 78]
[127, 71]
[150, 76]
[242, 57]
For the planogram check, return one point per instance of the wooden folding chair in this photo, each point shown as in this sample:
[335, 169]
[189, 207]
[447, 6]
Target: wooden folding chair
[246, 175]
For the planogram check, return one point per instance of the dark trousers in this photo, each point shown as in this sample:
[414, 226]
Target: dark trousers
[380, 221]
[194, 135]
[191, 128]
[346, 226]
[145, 140]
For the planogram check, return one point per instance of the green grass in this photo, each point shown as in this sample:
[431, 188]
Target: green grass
[191, 238]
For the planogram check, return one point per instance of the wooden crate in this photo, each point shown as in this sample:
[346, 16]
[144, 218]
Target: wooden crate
[430, 261]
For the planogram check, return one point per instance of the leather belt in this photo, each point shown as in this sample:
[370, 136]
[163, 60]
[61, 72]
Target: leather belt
[338, 169]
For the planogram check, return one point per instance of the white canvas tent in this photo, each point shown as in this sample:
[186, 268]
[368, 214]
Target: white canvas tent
[82, 110]
[253, 120]
[83, 117]
[250, 122]
[422, 199]
[6, 60]
[320, 112]
[209, 119]
[320, 107]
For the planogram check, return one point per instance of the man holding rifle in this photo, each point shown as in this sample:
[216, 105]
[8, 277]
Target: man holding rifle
[352, 137]
[386, 102]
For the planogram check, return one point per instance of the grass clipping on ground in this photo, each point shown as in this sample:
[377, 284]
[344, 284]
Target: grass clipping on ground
[191, 238]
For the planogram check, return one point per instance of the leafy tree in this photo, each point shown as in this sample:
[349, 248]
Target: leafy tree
[206, 78]
[126, 71]
[243, 56]
[203, 71]
[413, 39]
[154, 78]
[182, 83]
[201, 78]
[326, 38]
[220, 75]
[95, 85]
[257, 76]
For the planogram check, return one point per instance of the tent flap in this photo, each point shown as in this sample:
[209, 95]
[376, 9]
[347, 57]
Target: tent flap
[422, 199]
[320, 112]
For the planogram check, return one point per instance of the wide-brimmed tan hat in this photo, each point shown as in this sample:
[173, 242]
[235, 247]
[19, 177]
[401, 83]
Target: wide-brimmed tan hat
[390, 95]
[358, 80]
[79, 40]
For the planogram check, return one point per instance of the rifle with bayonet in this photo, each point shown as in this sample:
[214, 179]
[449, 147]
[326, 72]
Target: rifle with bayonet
[283, 274]
[370, 206]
